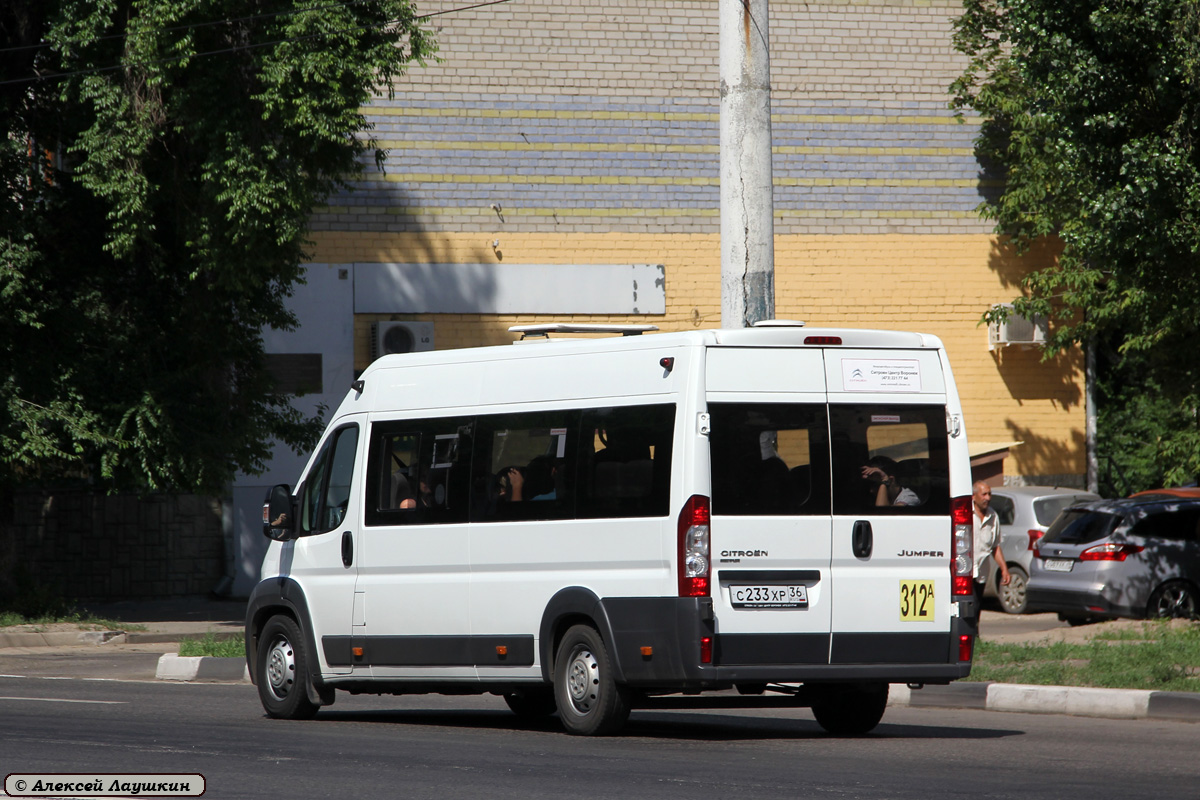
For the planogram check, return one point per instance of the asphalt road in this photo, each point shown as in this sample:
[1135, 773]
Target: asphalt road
[472, 747]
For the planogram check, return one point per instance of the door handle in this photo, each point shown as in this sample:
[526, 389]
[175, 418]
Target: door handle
[863, 539]
[347, 548]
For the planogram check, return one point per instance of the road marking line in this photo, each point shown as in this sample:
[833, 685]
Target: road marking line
[65, 700]
[69, 678]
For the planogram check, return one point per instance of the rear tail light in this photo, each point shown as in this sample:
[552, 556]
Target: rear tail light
[962, 557]
[964, 647]
[1035, 536]
[1110, 552]
[695, 559]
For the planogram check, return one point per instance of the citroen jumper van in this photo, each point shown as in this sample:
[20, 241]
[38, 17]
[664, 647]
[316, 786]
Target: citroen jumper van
[757, 517]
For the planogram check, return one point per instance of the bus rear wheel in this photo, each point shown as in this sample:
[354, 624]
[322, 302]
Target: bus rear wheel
[590, 703]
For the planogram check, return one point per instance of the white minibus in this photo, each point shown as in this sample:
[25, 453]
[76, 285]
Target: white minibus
[768, 516]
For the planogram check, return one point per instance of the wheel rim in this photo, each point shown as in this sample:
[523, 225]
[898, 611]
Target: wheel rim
[1012, 596]
[1176, 602]
[281, 667]
[583, 678]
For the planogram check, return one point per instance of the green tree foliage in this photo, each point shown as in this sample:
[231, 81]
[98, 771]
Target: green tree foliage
[1090, 119]
[1143, 434]
[159, 160]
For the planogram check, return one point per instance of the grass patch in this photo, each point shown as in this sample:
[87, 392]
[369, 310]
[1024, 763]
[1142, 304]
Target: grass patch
[210, 645]
[1160, 655]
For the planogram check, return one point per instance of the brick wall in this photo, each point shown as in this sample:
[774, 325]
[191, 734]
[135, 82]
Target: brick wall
[87, 546]
[594, 128]
[605, 117]
[934, 284]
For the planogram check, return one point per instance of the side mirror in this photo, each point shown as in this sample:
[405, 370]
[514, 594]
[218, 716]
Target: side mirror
[279, 514]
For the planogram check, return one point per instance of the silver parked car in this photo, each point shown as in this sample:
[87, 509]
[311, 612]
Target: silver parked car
[1133, 557]
[1025, 513]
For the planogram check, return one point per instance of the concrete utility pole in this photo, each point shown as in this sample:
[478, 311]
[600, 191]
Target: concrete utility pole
[747, 205]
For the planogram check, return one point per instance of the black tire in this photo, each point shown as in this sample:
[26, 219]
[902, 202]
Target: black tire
[590, 703]
[283, 671]
[1174, 600]
[1013, 598]
[535, 702]
[851, 710]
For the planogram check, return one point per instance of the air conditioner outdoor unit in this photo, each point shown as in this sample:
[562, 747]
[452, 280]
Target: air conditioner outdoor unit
[400, 337]
[1016, 329]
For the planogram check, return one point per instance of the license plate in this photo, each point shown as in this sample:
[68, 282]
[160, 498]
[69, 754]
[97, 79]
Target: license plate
[1058, 565]
[769, 596]
[916, 601]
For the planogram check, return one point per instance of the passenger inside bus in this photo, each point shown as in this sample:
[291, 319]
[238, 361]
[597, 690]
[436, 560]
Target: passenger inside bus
[881, 473]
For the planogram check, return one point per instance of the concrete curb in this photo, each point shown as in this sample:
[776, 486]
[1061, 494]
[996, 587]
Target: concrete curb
[172, 667]
[61, 639]
[1079, 701]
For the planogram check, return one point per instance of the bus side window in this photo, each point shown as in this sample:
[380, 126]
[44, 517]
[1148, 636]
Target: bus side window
[418, 472]
[524, 466]
[625, 461]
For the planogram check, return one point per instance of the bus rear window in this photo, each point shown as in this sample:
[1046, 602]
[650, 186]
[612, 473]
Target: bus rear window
[889, 459]
[769, 459]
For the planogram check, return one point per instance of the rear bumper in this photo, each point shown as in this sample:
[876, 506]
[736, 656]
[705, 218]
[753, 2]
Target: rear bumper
[1077, 603]
[673, 628]
[723, 677]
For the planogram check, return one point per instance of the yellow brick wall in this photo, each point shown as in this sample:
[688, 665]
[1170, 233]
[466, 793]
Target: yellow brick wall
[939, 284]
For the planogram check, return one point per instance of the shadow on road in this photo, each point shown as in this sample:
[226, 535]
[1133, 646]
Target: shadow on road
[691, 726]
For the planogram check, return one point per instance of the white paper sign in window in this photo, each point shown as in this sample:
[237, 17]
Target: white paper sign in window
[881, 375]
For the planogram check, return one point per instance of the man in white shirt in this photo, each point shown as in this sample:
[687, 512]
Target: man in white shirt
[987, 540]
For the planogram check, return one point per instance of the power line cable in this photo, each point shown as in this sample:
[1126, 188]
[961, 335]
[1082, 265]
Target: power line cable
[464, 8]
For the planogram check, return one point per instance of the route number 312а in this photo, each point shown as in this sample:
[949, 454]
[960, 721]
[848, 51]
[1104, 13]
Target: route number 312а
[916, 601]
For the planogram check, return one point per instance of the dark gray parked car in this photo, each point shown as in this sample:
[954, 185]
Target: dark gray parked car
[1025, 513]
[1133, 557]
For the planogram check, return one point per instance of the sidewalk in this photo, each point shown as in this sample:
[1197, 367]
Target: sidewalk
[142, 644]
[151, 621]
[150, 652]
